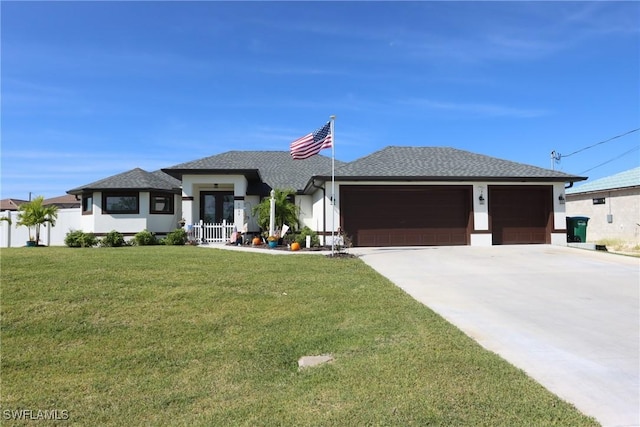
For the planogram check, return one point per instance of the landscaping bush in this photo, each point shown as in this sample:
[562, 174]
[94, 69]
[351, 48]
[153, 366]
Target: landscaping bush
[145, 238]
[176, 237]
[113, 239]
[302, 237]
[80, 239]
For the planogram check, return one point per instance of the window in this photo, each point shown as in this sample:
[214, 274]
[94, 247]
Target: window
[87, 204]
[161, 203]
[120, 203]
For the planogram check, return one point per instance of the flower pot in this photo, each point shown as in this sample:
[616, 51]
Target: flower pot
[273, 244]
[31, 243]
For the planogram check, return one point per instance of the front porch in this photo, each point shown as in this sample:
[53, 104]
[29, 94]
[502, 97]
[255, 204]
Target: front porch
[212, 205]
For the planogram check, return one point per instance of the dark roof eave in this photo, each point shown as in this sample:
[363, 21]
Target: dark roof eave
[80, 191]
[178, 173]
[450, 178]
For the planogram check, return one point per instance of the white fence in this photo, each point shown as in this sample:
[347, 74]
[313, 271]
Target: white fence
[13, 236]
[210, 233]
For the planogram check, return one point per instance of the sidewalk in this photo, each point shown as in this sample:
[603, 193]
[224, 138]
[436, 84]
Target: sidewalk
[263, 249]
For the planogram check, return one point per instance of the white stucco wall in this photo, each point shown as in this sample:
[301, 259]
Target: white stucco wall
[99, 222]
[17, 236]
[559, 210]
[624, 207]
[305, 209]
[250, 202]
[316, 221]
[163, 223]
[123, 223]
[480, 211]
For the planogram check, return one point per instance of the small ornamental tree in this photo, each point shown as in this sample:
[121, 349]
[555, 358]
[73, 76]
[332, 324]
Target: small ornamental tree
[34, 214]
[286, 211]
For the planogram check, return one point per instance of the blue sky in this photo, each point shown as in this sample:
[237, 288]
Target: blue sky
[92, 89]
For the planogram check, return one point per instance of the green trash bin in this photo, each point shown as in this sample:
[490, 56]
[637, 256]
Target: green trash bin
[577, 228]
[570, 228]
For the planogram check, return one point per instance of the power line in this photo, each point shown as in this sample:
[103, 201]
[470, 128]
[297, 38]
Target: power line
[611, 160]
[598, 143]
[556, 156]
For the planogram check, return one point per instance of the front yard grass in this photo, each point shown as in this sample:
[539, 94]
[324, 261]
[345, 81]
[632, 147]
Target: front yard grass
[193, 336]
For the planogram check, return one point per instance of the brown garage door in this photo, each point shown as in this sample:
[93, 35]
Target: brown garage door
[520, 214]
[406, 215]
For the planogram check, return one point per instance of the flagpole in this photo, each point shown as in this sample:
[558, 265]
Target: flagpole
[333, 185]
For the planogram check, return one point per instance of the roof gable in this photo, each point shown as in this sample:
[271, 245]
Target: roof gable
[443, 163]
[629, 178]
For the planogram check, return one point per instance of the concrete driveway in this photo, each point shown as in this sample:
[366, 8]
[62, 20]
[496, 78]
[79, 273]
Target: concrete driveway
[568, 317]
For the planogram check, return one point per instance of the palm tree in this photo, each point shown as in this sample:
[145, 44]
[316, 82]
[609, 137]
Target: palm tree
[33, 214]
[286, 212]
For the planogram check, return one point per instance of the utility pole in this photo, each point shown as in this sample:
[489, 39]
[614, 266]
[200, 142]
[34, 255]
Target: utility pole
[555, 157]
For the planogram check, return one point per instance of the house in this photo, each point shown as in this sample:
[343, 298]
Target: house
[68, 201]
[393, 197]
[11, 204]
[612, 205]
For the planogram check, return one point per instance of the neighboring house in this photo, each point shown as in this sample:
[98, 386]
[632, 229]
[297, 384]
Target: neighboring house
[62, 202]
[11, 204]
[394, 197]
[67, 201]
[612, 205]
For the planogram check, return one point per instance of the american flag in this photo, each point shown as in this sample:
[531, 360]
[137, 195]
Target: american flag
[311, 144]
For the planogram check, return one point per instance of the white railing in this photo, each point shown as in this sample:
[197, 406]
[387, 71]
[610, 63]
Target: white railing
[211, 233]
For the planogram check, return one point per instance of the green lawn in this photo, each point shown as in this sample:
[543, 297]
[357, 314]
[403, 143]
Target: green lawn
[193, 336]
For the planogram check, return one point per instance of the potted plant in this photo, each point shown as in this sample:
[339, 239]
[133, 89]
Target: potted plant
[33, 215]
[272, 241]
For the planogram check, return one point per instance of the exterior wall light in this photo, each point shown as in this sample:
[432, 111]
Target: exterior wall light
[481, 199]
[561, 199]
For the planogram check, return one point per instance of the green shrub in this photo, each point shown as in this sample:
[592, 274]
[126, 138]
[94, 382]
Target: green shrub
[113, 239]
[301, 238]
[145, 238]
[80, 239]
[176, 237]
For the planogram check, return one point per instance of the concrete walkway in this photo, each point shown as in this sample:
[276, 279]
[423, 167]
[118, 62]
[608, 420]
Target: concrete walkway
[568, 317]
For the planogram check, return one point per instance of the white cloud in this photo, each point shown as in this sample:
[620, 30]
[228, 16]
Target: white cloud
[476, 109]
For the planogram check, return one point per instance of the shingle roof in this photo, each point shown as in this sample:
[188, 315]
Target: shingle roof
[135, 179]
[630, 178]
[11, 204]
[276, 168]
[443, 163]
[66, 201]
